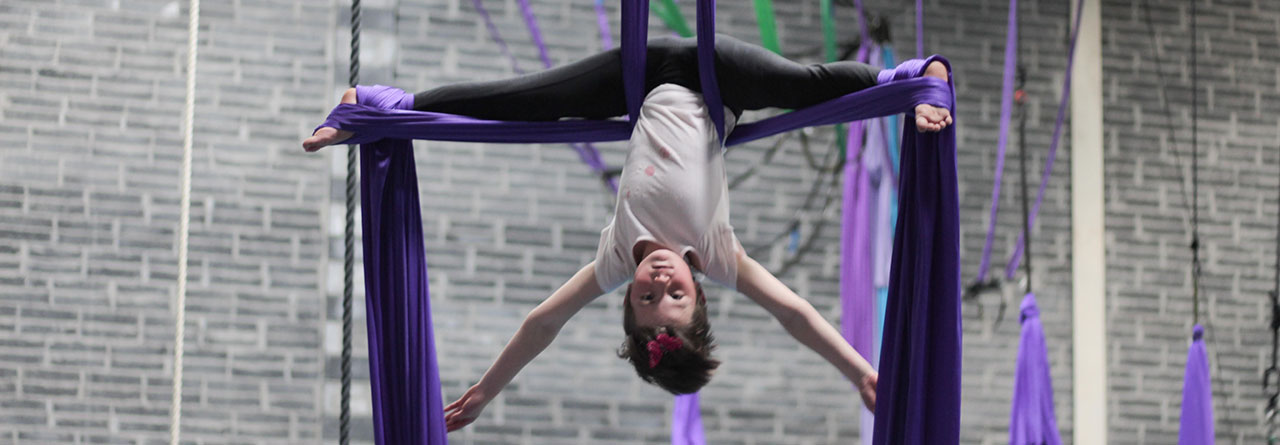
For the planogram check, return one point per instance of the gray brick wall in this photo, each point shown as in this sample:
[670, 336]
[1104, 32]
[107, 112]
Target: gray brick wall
[90, 99]
[1149, 282]
[90, 93]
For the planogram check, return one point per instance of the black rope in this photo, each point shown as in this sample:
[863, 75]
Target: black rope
[1020, 98]
[348, 243]
[1187, 205]
[1195, 178]
[1271, 376]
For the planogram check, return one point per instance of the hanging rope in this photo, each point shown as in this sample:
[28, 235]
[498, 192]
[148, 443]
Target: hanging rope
[348, 243]
[1271, 377]
[1195, 178]
[1020, 97]
[184, 223]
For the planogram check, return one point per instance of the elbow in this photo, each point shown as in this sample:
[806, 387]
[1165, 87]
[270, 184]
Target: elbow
[539, 321]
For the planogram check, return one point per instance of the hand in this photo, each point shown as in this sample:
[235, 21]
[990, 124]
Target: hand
[868, 389]
[466, 409]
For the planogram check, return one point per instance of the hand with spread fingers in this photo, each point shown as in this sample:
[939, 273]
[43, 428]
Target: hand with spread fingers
[466, 409]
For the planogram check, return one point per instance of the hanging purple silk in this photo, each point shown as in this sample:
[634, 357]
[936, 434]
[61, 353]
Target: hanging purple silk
[857, 284]
[404, 377]
[1016, 257]
[1006, 111]
[1032, 421]
[919, 29]
[707, 64]
[686, 421]
[918, 396]
[635, 41]
[1195, 427]
[602, 22]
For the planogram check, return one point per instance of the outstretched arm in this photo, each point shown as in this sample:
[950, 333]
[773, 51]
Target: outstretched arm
[537, 331]
[805, 324]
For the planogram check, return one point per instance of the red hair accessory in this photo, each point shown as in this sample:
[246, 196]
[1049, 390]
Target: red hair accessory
[664, 343]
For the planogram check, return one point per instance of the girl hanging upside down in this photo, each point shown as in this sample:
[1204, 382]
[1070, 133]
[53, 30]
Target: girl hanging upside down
[672, 215]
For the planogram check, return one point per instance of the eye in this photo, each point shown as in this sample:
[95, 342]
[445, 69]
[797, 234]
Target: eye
[646, 297]
[677, 295]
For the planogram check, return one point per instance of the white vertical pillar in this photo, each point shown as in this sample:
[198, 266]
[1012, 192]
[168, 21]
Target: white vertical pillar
[1088, 231]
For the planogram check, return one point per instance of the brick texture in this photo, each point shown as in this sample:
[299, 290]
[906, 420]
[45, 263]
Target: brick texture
[91, 91]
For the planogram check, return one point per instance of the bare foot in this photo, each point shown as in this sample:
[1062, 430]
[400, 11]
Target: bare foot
[327, 136]
[929, 117]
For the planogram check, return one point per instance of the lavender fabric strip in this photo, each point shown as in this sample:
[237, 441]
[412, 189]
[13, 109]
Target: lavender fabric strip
[1006, 110]
[602, 22]
[1016, 257]
[1195, 427]
[586, 151]
[686, 421]
[1032, 420]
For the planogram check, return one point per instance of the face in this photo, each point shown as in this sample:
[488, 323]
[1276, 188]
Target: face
[663, 292]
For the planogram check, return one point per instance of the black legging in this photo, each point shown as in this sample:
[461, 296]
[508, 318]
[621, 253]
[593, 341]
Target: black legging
[750, 78]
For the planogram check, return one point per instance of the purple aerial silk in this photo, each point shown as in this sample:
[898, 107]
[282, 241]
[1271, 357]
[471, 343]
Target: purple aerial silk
[404, 376]
[1032, 420]
[918, 396]
[1016, 257]
[686, 421]
[1196, 424]
[1006, 112]
[857, 270]
[407, 401]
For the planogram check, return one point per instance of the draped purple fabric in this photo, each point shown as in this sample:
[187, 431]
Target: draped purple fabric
[686, 421]
[1195, 427]
[405, 381]
[407, 401]
[1032, 421]
[857, 268]
[918, 396]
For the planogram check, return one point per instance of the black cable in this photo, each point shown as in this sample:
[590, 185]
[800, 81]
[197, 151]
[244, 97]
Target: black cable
[1020, 99]
[348, 243]
[1195, 178]
[1187, 206]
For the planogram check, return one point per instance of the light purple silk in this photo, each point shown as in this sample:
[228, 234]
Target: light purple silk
[404, 376]
[918, 396]
[686, 421]
[1195, 427]
[1006, 112]
[857, 281]
[1016, 257]
[1032, 420]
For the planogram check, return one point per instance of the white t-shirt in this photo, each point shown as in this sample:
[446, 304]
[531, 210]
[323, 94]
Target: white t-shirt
[673, 191]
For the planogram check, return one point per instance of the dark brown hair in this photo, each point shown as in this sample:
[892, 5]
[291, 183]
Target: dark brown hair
[682, 371]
